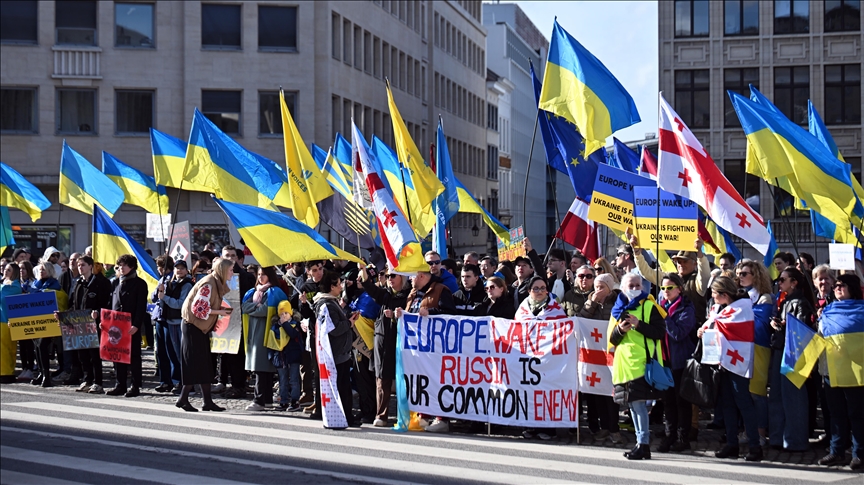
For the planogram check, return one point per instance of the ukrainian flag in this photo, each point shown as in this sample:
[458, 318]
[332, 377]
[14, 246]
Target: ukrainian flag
[716, 240]
[762, 348]
[169, 160]
[467, 203]
[578, 87]
[138, 188]
[110, 242]
[779, 148]
[426, 183]
[82, 185]
[17, 192]
[332, 170]
[342, 152]
[221, 166]
[803, 348]
[6, 237]
[305, 181]
[278, 175]
[772, 252]
[261, 229]
[405, 194]
[842, 327]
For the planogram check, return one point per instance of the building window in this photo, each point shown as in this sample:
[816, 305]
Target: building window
[18, 22]
[277, 28]
[335, 44]
[741, 17]
[738, 80]
[840, 15]
[18, 110]
[134, 112]
[791, 91]
[75, 22]
[76, 111]
[270, 117]
[843, 94]
[491, 162]
[492, 117]
[791, 16]
[746, 184]
[691, 18]
[346, 41]
[133, 25]
[692, 100]
[223, 109]
[220, 26]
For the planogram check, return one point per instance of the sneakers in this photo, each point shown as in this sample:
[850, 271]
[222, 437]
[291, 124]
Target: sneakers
[616, 438]
[84, 387]
[62, 377]
[255, 407]
[830, 460]
[379, 423]
[293, 407]
[217, 388]
[26, 374]
[601, 435]
[95, 389]
[439, 426]
[423, 422]
[855, 464]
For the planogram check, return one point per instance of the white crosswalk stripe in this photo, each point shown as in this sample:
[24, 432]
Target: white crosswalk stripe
[364, 452]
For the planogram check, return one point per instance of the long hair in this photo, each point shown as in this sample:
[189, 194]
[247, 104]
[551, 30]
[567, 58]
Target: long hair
[221, 266]
[16, 271]
[499, 283]
[761, 278]
[803, 285]
[726, 285]
[270, 273]
[607, 268]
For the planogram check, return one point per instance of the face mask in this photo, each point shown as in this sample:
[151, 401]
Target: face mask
[631, 294]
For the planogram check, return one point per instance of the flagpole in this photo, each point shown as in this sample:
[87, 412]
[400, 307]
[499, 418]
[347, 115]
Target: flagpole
[657, 246]
[553, 181]
[782, 216]
[528, 171]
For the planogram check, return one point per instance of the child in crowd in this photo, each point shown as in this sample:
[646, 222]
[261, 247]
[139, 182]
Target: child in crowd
[287, 360]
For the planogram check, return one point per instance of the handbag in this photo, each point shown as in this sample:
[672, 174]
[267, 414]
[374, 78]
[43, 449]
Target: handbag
[657, 375]
[699, 381]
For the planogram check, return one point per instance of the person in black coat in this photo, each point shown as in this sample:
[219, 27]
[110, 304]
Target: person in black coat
[471, 294]
[308, 363]
[384, 351]
[92, 291]
[499, 301]
[129, 294]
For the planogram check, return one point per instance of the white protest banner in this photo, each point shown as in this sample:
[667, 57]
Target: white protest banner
[841, 256]
[516, 373]
[331, 406]
[156, 231]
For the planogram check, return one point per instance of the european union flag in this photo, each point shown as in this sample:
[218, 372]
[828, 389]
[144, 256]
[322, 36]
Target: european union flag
[625, 158]
[803, 347]
[565, 149]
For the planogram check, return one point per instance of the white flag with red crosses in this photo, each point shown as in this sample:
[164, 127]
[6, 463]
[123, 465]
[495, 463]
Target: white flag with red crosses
[686, 169]
[594, 366]
[331, 405]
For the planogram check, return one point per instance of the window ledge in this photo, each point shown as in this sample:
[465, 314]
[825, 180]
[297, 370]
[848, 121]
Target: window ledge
[131, 134]
[279, 50]
[74, 133]
[18, 133]
[271, 136]
[135, 48]
[20, 43]
[221, 48]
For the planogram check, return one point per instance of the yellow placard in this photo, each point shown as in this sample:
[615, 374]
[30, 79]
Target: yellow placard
[673, 234]
[37, 326]
[612, 212]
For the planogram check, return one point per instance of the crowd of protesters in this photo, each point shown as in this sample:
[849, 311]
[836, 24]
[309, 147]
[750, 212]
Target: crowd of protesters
[657, 314]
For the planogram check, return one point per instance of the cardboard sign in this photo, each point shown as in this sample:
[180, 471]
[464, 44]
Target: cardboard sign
[181, 243]
[158, 227]
[516, 248]
[32, 315]
[670, 220]
[841, 256]
[225, 337]
[116, 345]
[79, 330]
[612, 201]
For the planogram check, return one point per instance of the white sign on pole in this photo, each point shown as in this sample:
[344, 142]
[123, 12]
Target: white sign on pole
[155, 231]
[841, 256]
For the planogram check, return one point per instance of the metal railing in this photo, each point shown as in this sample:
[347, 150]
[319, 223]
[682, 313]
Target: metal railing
[77, 62]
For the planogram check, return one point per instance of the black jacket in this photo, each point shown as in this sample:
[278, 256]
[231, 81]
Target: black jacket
[521, 291]
[245, 279]
[800, 308]
[131, 297]
[503, 308]
[384, 361]
[91, 294]
[310, 289]
[470, 302]
[341, 337]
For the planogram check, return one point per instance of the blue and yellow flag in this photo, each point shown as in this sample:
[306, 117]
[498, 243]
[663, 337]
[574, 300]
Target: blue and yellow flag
[773, 250]
[18, 193]
[467, 203]
[139, 189]
[332, 170]
[842, 327]
[401, 186]
[803, 348]
[275, 295]
[82, 185]
[221, 166]
[110, 242]
[426, 184]
[307, 184]
[778, 148]
[6, 237]
[169, 160]
[578, 87]
[261, 229]
[342, 152]
[446, 205]
[762, 332]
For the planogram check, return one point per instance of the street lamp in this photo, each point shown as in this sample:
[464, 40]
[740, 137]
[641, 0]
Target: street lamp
[475, 230]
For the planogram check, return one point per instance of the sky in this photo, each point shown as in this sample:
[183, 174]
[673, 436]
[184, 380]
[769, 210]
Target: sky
[623, 35]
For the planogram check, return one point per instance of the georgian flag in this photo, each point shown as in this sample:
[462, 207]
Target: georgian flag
[736, 332]
[331, 405]
[578, 231]
[686, 169]
[594, 366]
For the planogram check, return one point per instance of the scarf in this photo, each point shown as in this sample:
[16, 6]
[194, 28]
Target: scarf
[548, 309]
[622, 305]
[260, 291]
[132, 274]
[671, 307]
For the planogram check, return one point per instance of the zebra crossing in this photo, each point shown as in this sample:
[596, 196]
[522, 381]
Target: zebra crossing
[62, 440]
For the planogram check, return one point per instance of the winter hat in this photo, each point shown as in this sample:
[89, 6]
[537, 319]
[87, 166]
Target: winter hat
[608, 279]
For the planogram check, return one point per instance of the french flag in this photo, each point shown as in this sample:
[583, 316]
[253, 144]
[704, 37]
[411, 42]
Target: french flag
[579, 232]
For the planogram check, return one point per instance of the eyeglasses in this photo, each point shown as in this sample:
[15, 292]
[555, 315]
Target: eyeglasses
[433, 263]
[391, 276]
[744, 273]
[667, 288]
[584, 276]
[538, 289]
[599, 269]
[839, 286]
[621, 254]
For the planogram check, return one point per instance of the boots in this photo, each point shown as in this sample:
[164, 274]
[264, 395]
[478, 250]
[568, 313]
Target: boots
[683, 442]
[642, 452]
[667, 442]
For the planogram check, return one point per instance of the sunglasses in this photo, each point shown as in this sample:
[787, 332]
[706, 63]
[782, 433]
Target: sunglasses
[667, 288]
[538, 289]
[839, 286]
[584, 276]
[391, 276]
[783, 279]
[599, 270]
[492, 287]
[621, 254]
[744, 273]
[433, 263]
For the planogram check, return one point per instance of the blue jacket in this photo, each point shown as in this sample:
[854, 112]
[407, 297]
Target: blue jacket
[680, 328]
[448, 280]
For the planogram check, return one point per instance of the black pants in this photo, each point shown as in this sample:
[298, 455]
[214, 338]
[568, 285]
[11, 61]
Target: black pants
[343, 385]
[307, 391]
[263, 388]
[601, 409]
[313, 361]
[27, 349]
[364, 380]
[91, 365]
[135, 365]
[43, 355]
[232, 370]
[678, 411]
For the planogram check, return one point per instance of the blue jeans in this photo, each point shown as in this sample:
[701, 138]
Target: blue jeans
[166, 367]
[735, 397]
[788, 419]
[289, 378]
[761, 405]
[639, 413]
[175, 355]
[847, 414]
